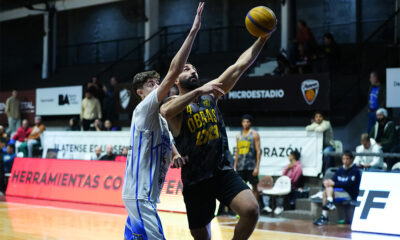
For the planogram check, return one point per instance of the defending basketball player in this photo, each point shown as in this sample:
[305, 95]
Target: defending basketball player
[199, 131]
[151, 153]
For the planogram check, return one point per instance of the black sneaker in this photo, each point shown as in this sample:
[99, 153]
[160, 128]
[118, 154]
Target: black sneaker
[329, 206]
[321, 221]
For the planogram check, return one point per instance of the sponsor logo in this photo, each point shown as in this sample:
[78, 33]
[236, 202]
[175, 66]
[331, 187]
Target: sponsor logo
[370, 203]
[66, 99]
[256, 94]
[124, 97]
[310, 89]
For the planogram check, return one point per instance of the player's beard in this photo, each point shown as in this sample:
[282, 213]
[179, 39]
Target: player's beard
[190, 83]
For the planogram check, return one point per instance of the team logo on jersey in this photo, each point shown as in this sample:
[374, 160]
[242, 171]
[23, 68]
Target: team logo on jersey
[206, 103]
[310, 89]
[124, 97]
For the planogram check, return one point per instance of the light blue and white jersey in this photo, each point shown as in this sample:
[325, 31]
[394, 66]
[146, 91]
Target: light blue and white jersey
[148, 161]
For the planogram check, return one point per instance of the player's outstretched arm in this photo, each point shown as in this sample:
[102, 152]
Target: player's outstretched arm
[178, 62]
[233, 73]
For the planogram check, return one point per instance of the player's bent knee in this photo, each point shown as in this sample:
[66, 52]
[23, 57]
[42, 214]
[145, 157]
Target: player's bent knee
[200, 234]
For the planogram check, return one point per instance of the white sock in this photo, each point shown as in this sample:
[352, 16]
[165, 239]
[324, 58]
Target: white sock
[325, 213]
[330, 199]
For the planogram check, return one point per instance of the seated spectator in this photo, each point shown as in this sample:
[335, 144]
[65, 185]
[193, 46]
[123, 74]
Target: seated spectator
[294, 171]
[22, 134]
[8, 158]
[303, 59]
[109, 156]
[33, 139]
[3, 145]
[91, 109]
[73, 125]
[97, 126]
[368, 146]
[109, 127]
[328, 55]
[3, 133]
[384, 131]
[320, 125]
[2, 179]
[123, 156]
[344, 185]
[97, 153]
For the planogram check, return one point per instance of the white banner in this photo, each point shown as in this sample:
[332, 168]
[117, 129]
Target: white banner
[276, 145]
[80, 145]
[393, 87]
[59, 100]
[379, 207]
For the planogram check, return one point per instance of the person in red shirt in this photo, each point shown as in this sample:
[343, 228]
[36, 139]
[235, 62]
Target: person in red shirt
[22, 133]
[304, 35]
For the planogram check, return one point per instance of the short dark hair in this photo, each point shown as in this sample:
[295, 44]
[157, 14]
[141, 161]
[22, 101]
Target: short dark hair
[302, 22]
[248, 117]
[320, 113]
[11, 146]
[295, 154]
[348, 153]
[378, 74]
[141, 78]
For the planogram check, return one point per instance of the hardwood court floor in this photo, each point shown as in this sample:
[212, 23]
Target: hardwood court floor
[22, 221]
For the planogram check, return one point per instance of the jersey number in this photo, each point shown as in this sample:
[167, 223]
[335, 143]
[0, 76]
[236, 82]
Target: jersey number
[204, 135]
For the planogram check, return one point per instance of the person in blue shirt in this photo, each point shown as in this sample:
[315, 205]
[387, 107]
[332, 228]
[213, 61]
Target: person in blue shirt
[344, 184]
[8, 158]
[376, 98]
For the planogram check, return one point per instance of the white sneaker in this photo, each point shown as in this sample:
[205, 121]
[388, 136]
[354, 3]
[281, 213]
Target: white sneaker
[278, 210]
[319, 194]
[267, 209]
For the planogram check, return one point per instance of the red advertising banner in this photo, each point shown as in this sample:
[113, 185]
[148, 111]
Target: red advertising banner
[94, 182]
[28, 103]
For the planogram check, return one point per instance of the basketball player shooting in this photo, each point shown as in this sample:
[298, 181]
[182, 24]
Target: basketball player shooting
[199, 131]
[151, 153]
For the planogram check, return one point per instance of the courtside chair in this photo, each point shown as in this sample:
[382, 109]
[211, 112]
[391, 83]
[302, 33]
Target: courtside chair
[282, 187]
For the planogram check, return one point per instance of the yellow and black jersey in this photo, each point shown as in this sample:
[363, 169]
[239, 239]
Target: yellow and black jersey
[203, 139]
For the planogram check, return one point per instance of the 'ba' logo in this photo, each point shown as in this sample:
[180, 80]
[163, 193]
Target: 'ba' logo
[310, 89]
[124, 97]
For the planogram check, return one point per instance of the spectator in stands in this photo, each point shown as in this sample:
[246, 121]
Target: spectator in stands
[294, 171]
[97, 126]
[8, 158]
[368, 145]
[122, 157]
[13, 112]
[384, 131]
[97, 153]
[344, 185]
[303, 59]
[73, 125]
[320, 125]
[108, 103]
[109, 127]
[109, 156]
[3, 133]
[22, 134]
[173, 91]
[304, 35]
[328, 55]
[91, 109]
[2, 178]
[98, 91]
[377, 98]
[33, 139]
[3, 145]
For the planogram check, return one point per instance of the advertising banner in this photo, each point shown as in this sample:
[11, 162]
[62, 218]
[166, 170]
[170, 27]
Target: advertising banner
[59, 100]
[278, 93]
[276, 145]
[80, 145]
[378, 200]
[28, 105]
[393, 87]
[94, 182]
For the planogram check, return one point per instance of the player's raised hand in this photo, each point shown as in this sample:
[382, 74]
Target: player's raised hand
[197, 19]
[212, 88]
[178, 161]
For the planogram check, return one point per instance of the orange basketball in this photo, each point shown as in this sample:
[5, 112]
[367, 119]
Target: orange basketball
[260, 21]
